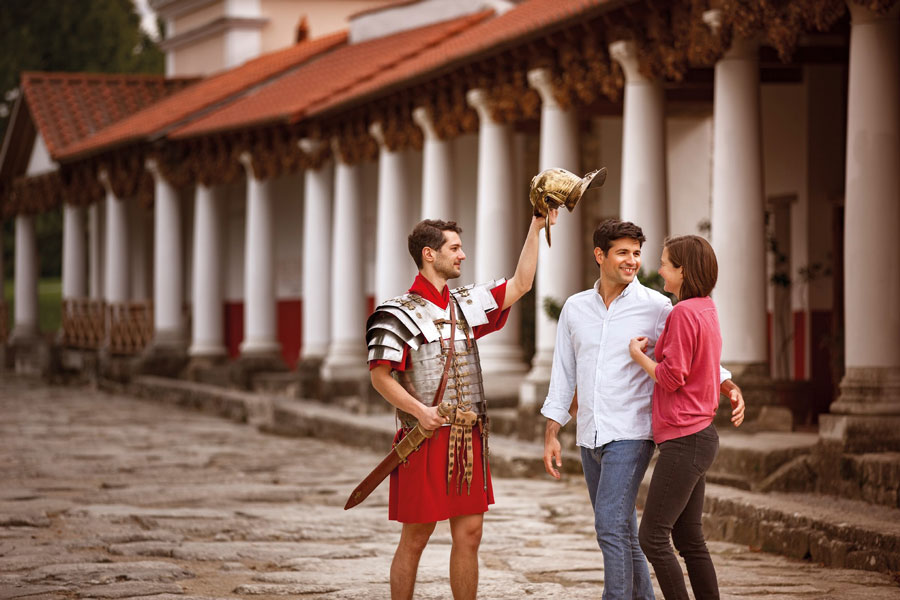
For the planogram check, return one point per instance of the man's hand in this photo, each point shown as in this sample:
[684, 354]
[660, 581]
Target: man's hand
[552, 449]
[730, 389]
[737, 406]
[430, 419]
[539, 221]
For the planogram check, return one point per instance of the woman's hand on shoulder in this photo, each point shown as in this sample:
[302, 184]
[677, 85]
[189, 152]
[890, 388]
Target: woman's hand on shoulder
[638, 346]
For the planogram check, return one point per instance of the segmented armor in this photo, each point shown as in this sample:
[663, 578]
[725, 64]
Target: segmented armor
[410, 320]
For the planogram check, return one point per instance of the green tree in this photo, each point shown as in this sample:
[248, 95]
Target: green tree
[70, 35]
[66, 35]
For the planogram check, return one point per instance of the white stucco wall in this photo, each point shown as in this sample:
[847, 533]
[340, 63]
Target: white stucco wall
[186, 196]
[236, 206]
[689, 173]
[288, 219]
[465, 149]
[369, 178]
[825, 98]
[40, 161]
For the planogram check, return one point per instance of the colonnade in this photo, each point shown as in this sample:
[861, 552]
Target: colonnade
[334, 309]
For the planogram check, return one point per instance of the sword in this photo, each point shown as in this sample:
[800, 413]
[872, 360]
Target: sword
[404, 448]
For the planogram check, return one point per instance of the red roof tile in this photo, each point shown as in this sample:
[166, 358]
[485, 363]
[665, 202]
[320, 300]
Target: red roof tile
[68, 107]
[206, 94]
[288, 97]
[527, 21]
[372, 67]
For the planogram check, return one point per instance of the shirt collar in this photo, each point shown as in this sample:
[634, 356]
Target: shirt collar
[628, 288]
[426, 290]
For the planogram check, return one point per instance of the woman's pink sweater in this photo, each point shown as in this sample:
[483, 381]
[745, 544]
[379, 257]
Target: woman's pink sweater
[686, 394]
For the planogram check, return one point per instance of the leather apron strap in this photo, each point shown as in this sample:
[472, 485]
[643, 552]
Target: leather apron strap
[439, 394]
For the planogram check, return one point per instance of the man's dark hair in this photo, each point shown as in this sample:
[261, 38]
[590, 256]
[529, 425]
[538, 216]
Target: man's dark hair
[429, 233]
[613, 229]
[698, 262]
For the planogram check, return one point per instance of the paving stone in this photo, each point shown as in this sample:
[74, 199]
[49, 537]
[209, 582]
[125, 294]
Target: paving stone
[128, 589]
[159, 503]
[77, 573]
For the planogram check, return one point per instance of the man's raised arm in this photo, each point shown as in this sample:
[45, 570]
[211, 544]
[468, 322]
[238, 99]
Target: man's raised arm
[522, 280]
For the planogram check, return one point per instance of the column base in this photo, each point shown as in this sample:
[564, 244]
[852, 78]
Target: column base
[243, 369]
[29, 354]
[163, 358]
[309, 373]
[115, 367]
[345, 362]
[861, 433]
[869, 391]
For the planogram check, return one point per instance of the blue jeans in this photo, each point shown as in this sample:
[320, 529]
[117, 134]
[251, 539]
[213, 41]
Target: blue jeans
[613, 473]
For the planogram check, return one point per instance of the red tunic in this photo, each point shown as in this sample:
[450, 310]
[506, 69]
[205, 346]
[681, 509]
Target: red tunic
[419, 491]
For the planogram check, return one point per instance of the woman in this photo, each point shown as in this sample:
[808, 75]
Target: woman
[685, 399]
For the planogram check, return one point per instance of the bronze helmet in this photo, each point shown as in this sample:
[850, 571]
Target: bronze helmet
[553, 188]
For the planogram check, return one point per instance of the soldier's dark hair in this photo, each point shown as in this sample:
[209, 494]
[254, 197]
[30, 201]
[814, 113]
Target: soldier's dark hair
[429, 233]
[698, 262]
[613, 229]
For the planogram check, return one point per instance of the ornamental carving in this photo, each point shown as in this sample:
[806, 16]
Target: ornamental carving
[33, 195]
[354, 144]
[399, 131]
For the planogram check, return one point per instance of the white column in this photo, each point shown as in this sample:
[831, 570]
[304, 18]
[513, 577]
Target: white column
[96, 237]
[260, 318]
[74, 266]
[871, 384]
[318, 185]
[393, 274]
[643, 201]
[497, 236]
[346, 358]
[207, 322]
[117, 283]
[438, 189]
[168, 262]
[737, 212]
[559, 266]
[25, 320]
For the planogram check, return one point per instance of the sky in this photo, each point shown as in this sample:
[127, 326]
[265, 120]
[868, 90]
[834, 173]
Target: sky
[148, 18]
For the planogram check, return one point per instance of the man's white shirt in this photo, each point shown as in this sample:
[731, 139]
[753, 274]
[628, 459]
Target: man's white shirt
[591, 354]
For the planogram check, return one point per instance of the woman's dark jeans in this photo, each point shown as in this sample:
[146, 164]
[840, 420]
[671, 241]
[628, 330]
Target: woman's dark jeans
[674, 508]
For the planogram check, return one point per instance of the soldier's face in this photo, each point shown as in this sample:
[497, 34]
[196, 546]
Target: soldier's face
[448, 259]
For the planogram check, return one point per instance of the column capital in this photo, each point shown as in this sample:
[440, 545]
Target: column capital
[376, 130]
[424, 119]
[336, 150]
[713, 19]
[625, 53]
[104, 179]
[246, 160]
[480, 100]
[861, 14]
[541, 79]
[312, 145]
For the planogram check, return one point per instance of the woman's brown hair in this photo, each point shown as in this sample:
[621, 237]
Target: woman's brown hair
[698, 262]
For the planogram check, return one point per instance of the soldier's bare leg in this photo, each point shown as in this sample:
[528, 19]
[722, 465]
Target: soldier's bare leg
[466, 533]
[413, 539]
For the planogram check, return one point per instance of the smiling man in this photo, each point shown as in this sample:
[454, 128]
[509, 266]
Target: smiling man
[613, 399]
[422, 351]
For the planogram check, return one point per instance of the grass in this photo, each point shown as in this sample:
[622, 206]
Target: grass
[49, 303]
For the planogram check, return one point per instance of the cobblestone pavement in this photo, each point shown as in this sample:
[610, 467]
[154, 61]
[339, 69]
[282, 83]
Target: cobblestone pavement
[104, 496]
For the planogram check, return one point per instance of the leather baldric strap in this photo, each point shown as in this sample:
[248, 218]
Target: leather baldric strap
[439, 394]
